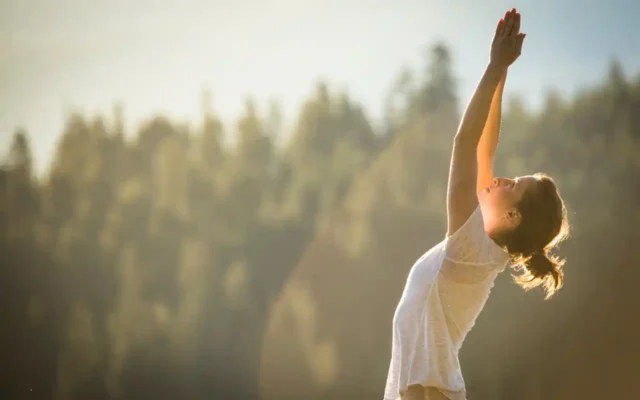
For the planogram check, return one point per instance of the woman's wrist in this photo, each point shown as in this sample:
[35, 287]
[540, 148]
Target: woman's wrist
[497, 67]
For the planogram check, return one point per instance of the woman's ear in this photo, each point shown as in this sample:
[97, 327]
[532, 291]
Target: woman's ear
[513, 216]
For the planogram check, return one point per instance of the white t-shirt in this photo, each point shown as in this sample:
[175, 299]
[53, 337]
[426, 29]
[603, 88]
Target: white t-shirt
[445, 292]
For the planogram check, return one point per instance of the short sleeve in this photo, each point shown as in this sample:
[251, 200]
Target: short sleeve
[471, 245]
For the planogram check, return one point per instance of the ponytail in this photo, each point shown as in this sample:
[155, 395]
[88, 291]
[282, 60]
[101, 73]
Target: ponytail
[540, 269]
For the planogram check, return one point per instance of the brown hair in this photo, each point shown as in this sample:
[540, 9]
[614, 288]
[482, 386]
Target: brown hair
[543, 226]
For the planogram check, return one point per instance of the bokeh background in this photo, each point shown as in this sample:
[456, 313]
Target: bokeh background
[217, 200]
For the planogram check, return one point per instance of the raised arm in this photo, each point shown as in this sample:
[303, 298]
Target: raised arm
[463, 171]
[489, 139]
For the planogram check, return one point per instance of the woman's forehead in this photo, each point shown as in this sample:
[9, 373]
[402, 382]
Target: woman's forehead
[526, 178]
[526, 181]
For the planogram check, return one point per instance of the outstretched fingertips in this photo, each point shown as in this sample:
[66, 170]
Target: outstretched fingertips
[510, 23]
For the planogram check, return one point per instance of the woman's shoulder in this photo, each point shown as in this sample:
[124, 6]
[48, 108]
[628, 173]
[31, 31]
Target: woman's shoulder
[471, 243]
[474, 225]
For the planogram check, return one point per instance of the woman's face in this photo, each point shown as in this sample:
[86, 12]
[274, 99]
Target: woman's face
[499, 201]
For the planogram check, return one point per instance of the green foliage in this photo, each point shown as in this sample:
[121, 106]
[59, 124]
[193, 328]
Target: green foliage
[172, 264]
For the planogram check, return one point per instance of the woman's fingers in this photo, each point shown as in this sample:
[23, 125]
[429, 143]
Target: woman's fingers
[513, 28]
[516, 23]
[500, 28]
[508, 22]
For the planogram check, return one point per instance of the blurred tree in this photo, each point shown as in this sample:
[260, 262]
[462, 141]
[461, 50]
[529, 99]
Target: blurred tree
[439, 88]
[211, 139]
[31, 310]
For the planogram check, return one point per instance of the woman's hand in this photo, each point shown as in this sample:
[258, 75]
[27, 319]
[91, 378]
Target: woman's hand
[507, 42]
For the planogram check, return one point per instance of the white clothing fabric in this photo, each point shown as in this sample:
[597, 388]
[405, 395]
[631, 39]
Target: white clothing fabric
[445, 291]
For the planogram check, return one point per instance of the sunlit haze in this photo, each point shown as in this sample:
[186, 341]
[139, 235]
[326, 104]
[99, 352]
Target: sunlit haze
[295, 246]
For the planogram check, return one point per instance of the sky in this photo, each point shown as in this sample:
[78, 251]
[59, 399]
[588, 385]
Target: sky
[158, 56]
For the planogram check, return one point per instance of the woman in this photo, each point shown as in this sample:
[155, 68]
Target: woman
[491, 222]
